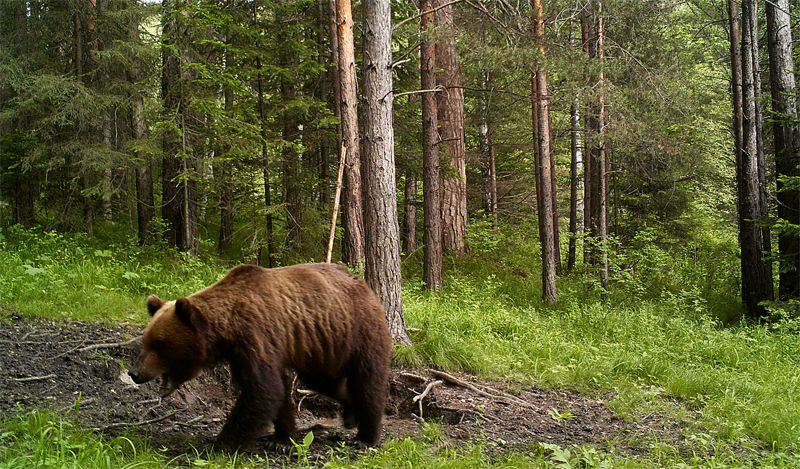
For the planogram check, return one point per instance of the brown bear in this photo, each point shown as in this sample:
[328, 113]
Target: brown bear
[315, 319]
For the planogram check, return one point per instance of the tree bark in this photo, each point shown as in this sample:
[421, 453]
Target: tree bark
[88, 209]
[601, 165]
[170, 74]
[262, 121]
[432, 236]
[353, 216]
[382, 231]
[26, 183]
[596, 157]
[223, 174]
[145, 201]
[542, 158]
[323, 143]
[179, 207]
[290, 156]
[410, 214]
[756, 274]
[335, 73]
[450, 105]
[576, 163]
[590, 127]
[787, 140]
[488, 164]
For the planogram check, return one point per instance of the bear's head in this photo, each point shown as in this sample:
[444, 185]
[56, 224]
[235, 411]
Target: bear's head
[173, 344]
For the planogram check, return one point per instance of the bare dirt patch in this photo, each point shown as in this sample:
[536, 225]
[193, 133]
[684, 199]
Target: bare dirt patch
[41, 366]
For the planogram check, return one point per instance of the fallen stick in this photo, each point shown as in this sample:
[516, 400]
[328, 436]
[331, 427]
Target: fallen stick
[507, 399]
[136, 424]
[34, 378]
[109, 345]
[428, 388]
[70, 350]
[425, 393]
[413, 376]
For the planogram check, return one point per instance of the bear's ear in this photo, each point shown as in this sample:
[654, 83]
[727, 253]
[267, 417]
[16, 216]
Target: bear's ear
[186, 311]
[154, 303]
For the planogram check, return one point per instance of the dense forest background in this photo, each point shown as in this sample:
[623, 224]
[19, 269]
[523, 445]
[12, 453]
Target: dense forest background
[216, 128]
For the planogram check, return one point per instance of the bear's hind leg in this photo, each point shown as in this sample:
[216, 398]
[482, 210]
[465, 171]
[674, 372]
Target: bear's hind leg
[367, 384]
[334, 388]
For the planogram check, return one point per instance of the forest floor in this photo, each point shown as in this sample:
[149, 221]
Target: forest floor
[44, 366]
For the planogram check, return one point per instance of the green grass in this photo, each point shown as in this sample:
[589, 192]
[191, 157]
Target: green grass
[48, 441]
[660, 343]
[76, 277]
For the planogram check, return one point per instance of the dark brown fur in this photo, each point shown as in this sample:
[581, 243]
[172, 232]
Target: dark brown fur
[316, 319]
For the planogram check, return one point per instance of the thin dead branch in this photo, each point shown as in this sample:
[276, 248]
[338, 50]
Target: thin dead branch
[109, 345]
[423, 13]
[499, 396]
[418, 399]
[413, 376]
[34, 378]
[427, 390]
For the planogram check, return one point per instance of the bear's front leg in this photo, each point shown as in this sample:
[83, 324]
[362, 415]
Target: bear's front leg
[260, 401]
[285, 425]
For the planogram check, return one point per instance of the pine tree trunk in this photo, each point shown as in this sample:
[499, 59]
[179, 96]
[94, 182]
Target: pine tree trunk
[543, 160]
[145, 201]
[336, 80]
[352, 216]
[450, 104]
[410, 214]
[576, 163]
[170, 74]
[431, 193]
[787, 140]
[756, 274]
[382, 238]
[589, 128]
[487, 153]
[224, 176]
[766, 237]
[88, 209]
[176, 187]
[554, 200]
[291, 158]
[271, 249]
[26, 184]
[601, 165]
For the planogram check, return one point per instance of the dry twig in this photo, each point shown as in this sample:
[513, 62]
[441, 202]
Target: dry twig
[109, 345]
[428, 388]
[34, 378]
[500, 396]
[420, 397]
[413, 376]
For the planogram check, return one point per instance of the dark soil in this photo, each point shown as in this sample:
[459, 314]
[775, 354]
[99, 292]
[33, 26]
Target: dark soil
[41, 366]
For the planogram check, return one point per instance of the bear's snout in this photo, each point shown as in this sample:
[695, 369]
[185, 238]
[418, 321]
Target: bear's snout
[134, 374]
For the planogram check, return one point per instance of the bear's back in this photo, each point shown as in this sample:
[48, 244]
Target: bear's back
[314, 315]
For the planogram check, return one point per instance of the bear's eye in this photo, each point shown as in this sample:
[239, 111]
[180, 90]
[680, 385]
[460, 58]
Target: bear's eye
[158, 344]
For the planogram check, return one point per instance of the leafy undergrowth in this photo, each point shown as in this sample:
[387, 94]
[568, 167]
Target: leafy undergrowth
[660, 342]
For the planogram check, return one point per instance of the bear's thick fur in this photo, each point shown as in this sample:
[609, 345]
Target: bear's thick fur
[315, 319]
